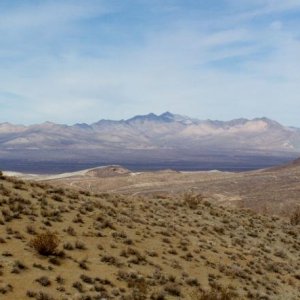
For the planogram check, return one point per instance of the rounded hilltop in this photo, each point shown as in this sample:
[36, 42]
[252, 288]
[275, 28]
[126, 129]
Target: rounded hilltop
[107, 171]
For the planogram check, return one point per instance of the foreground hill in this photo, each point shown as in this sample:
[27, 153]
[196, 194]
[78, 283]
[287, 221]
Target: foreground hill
[147, 141]
[126, 247]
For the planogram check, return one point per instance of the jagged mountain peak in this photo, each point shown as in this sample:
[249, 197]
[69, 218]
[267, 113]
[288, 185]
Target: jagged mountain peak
[178, 118]
[167, 114]
[164, 117]
[148, 117]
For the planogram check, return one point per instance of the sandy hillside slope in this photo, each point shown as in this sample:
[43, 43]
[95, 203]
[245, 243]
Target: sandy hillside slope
[113, 246]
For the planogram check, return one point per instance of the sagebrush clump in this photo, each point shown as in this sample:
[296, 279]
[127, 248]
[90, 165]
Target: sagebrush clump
[45, 243]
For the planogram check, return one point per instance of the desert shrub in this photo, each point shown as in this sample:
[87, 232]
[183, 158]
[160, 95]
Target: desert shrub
[4, 191]
[54, 260]
[44, 281]
[43, 296]
[68, 246]
[78, 286]
[19, 185]
[192, 200]
[83, 264]
[18, 266]
[110, 260]
[173, 289]
[86, 279]
[80, 245]
[31, 294]
[216, 293]
[295, 217]
[30, 229]
[192, 282]
[57, 198]
[4, 289]
[45, 243]
[60, 280]
[71, 231]
[158, 295]
[139, 289]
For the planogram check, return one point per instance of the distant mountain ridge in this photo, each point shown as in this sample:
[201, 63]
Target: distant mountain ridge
[154, 130]
[165, 117]
[148, 138]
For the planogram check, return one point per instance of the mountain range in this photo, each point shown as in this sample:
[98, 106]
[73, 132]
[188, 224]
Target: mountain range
[168, 140]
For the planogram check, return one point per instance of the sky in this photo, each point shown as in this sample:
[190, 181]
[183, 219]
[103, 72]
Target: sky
[74, 61]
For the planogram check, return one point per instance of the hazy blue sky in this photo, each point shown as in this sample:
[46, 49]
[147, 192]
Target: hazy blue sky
[80, 61]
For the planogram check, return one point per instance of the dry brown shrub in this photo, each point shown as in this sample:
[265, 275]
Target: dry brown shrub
[45, 243]
[295, 217]
[192, 200]
[139, 289]
[216, 293]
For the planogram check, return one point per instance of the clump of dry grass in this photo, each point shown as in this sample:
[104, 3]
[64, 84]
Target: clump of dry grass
[45, 243]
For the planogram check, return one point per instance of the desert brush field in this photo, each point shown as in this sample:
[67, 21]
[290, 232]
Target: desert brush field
[268, 191]
[63, 243]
